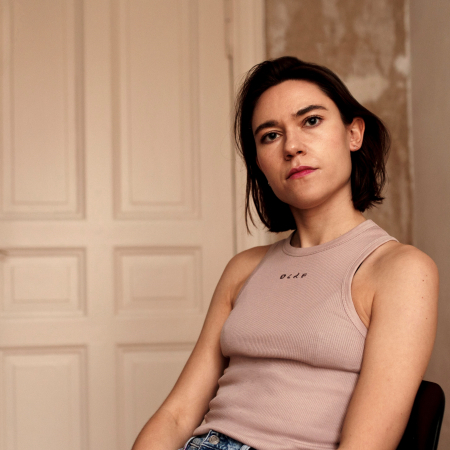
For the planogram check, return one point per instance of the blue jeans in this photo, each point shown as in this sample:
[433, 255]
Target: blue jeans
[213, 440]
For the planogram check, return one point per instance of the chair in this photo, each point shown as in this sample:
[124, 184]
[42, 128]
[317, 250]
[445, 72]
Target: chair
[424, 425]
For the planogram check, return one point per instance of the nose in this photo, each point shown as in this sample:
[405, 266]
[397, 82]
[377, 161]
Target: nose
[292, 145]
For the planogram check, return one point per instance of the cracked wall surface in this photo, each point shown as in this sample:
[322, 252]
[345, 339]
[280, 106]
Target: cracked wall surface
[365, 43]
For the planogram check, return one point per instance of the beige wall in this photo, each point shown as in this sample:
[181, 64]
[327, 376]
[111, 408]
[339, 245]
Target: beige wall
[367, 43]
[364, 42]
[430, 50]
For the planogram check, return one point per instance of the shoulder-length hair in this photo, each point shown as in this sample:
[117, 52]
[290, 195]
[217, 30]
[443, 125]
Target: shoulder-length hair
[368, 163]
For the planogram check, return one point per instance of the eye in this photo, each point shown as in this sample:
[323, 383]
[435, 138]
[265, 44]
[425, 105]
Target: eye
[269, 137]
[313, 121]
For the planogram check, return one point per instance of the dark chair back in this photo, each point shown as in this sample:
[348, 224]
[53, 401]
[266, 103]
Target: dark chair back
[424, 425]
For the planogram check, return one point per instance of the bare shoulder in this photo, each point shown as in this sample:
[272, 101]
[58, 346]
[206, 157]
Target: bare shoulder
[240, 268]
[405, 271]
[248, 259]
[395, 261]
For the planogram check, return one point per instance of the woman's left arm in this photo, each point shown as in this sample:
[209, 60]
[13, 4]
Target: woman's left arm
[398, 347]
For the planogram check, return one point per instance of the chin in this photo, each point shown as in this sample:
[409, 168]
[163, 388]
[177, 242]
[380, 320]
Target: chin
[312, 201]
[304, 200]
[314, 198]
[303, 206]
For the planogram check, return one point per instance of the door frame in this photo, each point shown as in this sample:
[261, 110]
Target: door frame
[246, 42]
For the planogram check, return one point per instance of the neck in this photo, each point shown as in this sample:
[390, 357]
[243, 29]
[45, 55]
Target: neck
[316, 226]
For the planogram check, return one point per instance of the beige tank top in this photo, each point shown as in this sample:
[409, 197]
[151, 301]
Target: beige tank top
[295, 343]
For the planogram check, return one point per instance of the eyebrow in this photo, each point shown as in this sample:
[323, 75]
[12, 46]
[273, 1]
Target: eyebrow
[299, 113]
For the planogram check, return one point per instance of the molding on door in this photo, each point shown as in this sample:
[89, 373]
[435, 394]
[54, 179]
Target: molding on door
[246, 47]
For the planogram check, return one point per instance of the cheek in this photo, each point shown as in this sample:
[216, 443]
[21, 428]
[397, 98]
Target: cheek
[265, 168]
[264, 163]
[341, 157]
[336, 164]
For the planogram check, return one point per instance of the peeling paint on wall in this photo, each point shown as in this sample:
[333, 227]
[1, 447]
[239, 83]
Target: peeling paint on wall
[277, 32]
[364, 42]
[367, 88]
[401, 64]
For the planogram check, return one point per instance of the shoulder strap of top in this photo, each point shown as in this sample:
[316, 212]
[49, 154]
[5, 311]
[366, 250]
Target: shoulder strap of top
[348, 278]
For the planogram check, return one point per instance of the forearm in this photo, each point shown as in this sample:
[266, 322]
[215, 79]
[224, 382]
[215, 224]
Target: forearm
[162, 432]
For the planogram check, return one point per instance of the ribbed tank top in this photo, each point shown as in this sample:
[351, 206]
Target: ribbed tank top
[295, 343]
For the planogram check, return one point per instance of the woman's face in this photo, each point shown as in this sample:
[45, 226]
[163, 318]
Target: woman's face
[303, 147]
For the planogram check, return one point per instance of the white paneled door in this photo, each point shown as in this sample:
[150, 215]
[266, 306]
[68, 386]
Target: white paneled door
[116, 211]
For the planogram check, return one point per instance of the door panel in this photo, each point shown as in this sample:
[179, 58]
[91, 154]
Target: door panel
[45, 401]
[42, 115]
[138, 364]
[156, 109]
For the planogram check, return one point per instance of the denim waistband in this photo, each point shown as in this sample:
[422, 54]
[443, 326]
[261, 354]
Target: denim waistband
[213, 440]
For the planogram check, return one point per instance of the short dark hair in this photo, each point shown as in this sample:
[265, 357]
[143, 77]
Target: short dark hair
[368, 163]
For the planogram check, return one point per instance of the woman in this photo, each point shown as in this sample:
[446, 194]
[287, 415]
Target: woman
[319, 341]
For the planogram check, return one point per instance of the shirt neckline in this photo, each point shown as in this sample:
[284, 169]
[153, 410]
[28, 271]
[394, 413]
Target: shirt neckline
[299, 251]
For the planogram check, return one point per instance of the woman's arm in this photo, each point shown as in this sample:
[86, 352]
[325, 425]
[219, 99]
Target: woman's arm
[398, 347]
[184, 408]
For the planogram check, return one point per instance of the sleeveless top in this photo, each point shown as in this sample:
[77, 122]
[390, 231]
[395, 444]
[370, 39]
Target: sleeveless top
[295, 343]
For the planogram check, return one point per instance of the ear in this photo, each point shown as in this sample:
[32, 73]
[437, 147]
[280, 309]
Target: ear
[356, 133]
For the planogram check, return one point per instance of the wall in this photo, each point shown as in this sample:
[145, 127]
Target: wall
[365, 43]
[430, 50]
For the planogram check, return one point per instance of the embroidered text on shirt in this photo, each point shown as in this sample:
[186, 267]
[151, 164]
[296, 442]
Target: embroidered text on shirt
[290, 276]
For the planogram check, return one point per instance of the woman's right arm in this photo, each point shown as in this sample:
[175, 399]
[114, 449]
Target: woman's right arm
[188, 402]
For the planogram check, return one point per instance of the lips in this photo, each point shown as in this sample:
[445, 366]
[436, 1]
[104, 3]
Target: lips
[300, 171]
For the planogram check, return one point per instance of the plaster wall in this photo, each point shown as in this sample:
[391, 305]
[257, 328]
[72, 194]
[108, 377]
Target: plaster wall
[393, 56]
[365, 43]
[430, 50]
